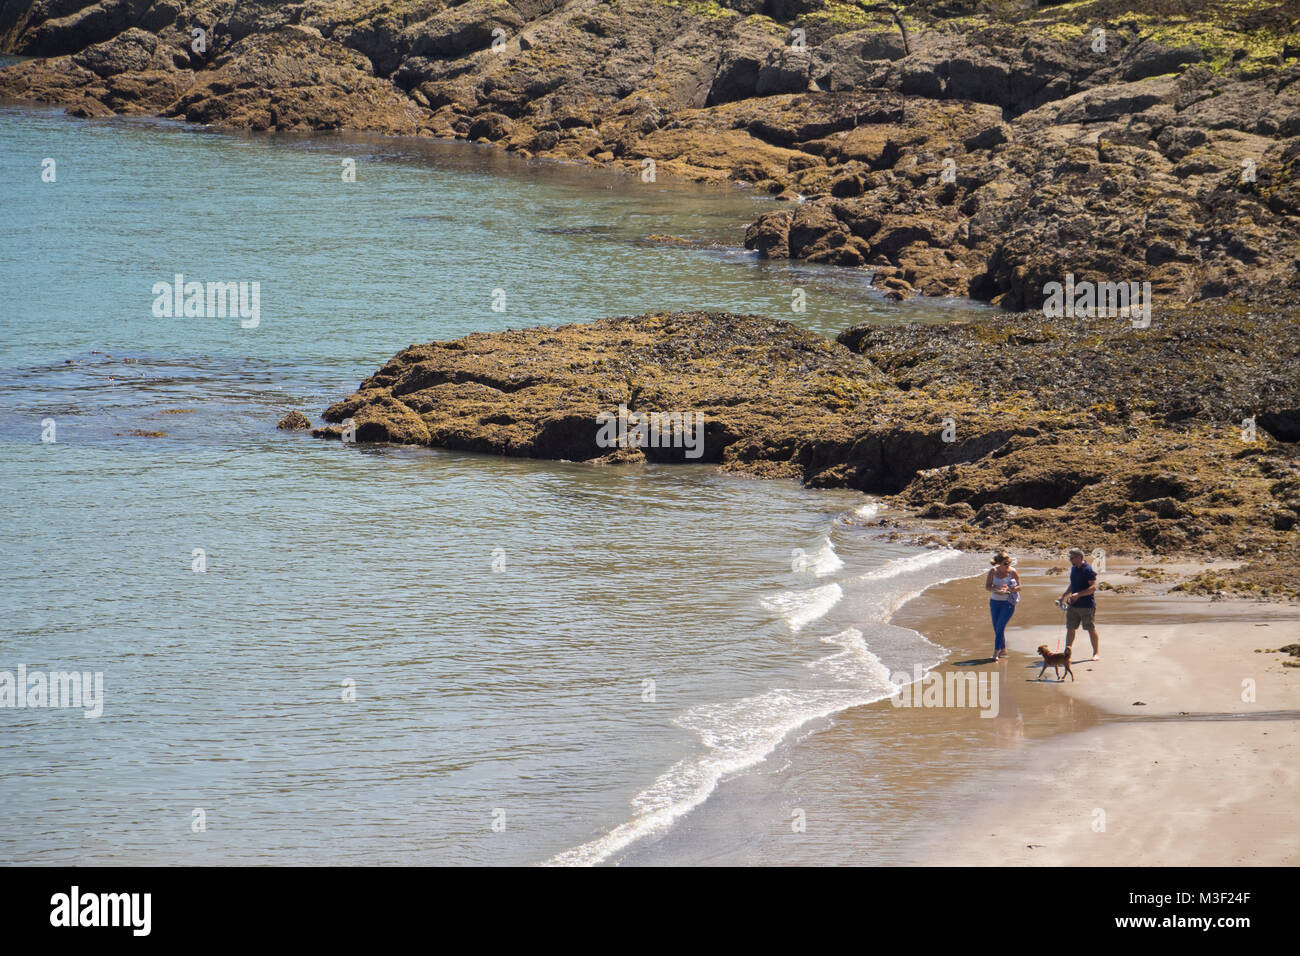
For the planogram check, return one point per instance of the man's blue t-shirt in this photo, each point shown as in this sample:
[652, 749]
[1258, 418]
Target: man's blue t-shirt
[1080, 578]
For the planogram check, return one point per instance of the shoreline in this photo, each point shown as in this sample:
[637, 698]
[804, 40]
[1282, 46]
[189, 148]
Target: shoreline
[919, 786]
[1029, 785]
[848, 127]
[1128, 783]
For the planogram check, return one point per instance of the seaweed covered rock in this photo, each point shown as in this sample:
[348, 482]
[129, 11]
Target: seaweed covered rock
[1215, 365]
[764, 387]
[293, 422]
[966, 149]
[295, 79]
[1002, 431]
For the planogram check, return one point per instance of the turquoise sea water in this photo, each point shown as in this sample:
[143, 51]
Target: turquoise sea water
[550, 661]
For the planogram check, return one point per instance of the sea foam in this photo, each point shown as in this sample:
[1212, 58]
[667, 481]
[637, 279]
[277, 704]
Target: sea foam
[738, 735]
[911, 563]
[823, 561]
[800, 608]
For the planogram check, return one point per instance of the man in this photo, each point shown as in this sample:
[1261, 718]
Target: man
[1082, 604]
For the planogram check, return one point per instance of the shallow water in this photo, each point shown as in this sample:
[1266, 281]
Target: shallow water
[499, 621]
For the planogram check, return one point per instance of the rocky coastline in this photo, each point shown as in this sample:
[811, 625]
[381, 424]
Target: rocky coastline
[979, 148]
[985, 149]
[1177, 440]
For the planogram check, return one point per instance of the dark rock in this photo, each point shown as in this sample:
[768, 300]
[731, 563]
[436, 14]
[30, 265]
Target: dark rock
[1152, 59]
[960, 511]
[847, 186]
[294, 421]
[295, 79]
[770, 235]
[1283, 424]
[784, 71]
[738, 71]
[132, 50]
[491, 126]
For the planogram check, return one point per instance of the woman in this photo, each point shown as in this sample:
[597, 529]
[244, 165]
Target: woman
[1003, 585]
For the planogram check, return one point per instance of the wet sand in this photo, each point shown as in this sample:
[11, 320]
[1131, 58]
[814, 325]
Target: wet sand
[918, 786]
[1189, 754]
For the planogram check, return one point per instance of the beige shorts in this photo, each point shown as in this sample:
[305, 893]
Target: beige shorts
[1081, 615]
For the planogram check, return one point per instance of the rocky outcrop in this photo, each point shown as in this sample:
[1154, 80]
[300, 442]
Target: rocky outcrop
[294, 422]
[1003, 431]
[766, 388]
[294, 79]
[982, 148]
[1218, 365]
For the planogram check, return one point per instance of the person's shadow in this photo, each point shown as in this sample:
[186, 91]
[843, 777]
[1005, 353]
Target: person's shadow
[975, 662]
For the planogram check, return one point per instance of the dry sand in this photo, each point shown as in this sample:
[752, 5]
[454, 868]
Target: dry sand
[882, 785]
[1205, 771]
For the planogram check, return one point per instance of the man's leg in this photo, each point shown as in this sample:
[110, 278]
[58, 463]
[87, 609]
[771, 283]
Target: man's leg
[1069, 636]
[1096, 643]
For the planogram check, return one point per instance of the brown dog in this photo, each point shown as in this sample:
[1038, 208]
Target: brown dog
[1055, 662]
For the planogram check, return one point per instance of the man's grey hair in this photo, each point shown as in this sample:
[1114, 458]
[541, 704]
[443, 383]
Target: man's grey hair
[1078, 551]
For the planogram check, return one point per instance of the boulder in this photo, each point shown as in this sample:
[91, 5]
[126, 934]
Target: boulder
[294, 421]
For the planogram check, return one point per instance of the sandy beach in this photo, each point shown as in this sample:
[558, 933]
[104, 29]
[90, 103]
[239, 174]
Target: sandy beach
[1192, 753]
[1063, 773]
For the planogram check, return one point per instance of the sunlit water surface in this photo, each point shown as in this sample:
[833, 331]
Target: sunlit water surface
[389, 655]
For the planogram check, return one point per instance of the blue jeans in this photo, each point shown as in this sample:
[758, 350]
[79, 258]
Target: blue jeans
[1001, 611]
